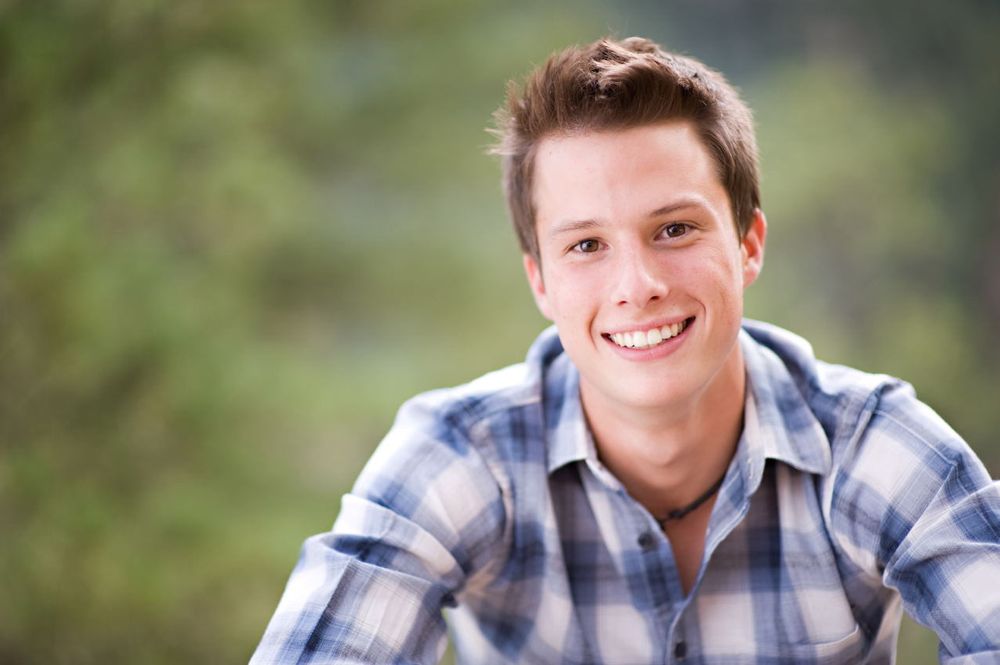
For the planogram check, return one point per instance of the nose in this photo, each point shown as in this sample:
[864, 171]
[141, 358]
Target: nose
[640, 279]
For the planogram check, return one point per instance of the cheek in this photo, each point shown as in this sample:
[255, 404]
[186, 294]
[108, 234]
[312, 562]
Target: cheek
[572, 289]
[717, 276]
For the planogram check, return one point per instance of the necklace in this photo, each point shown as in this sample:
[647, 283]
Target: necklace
[679, 513]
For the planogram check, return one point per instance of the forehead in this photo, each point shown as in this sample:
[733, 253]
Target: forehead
[616, 173]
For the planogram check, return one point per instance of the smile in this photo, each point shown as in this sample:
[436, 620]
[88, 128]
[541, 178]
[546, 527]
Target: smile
[643, 339]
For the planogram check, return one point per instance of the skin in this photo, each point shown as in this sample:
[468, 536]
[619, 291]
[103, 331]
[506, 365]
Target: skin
[635, 230]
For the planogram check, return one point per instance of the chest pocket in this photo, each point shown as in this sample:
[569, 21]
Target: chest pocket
[773, 588]
[848, 649]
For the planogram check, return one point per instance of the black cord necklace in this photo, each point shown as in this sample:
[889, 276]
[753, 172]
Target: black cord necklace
[679, 513]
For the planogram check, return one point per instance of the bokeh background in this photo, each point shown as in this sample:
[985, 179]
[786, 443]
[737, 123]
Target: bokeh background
[235, 235]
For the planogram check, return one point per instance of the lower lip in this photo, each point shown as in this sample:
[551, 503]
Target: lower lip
[652, 352]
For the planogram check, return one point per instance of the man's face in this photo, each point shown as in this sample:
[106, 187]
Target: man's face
[642, 269]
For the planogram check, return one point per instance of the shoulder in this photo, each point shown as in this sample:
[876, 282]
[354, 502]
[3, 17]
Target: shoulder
[475, 418]
[851, 404]
[444, 468]
[830, 390]
[475, 422]
[465, 408]
[891, 455]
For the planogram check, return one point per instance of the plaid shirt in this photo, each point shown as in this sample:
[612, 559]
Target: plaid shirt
[846, 502]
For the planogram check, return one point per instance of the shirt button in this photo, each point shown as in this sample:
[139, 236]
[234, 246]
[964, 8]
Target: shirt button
[646, 541]
[680, 650]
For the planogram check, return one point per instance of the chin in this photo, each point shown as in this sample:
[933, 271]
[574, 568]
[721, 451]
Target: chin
[652, 395]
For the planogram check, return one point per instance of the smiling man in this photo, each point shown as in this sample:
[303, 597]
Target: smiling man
[661, 480]
[642, 269]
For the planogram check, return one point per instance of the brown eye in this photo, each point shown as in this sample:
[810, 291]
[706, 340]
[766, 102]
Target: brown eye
[675, 230]
[587, 246]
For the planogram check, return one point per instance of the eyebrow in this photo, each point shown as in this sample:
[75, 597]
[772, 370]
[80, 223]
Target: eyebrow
[573, 225]
[570, 226]
[686, 202]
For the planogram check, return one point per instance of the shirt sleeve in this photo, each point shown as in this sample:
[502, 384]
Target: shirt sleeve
[425, 516]
[919, 504]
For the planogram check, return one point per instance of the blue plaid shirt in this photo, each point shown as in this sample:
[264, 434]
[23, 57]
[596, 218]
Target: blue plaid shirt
[846, 502]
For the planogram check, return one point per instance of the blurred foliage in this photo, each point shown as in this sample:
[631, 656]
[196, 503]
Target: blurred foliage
[234, 236]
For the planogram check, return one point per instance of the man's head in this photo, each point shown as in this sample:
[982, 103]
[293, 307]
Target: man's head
[631, 175]
[610, 85]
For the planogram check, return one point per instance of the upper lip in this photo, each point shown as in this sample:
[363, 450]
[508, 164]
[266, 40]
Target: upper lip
[647, 326]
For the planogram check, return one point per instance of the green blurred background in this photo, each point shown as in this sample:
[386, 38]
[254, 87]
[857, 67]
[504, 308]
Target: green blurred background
[235, 235]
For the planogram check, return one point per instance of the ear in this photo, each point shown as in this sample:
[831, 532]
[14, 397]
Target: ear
[534, 272]
[752, 247]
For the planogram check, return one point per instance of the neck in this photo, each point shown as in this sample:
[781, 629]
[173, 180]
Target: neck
[668, 457]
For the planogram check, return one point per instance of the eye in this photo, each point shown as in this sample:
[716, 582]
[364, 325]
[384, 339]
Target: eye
[676, 230]
[587, 246]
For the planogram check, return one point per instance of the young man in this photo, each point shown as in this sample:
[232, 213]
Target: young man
[660, 481]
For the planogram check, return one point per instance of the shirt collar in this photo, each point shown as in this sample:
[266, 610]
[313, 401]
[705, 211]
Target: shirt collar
[778, 422]
[567, 433]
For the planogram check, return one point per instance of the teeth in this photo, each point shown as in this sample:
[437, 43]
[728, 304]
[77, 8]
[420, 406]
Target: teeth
[638, 339]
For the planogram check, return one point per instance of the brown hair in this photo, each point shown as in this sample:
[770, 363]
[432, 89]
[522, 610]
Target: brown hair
[613, 84]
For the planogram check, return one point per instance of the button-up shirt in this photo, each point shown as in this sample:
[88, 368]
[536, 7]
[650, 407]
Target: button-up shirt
[486, 512]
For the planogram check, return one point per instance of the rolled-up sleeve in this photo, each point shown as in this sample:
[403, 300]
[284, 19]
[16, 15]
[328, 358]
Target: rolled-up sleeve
[425, 516]
[918, 509]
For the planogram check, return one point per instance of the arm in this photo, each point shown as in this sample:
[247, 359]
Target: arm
[947, 569]
[424, 517]
[915, 498]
